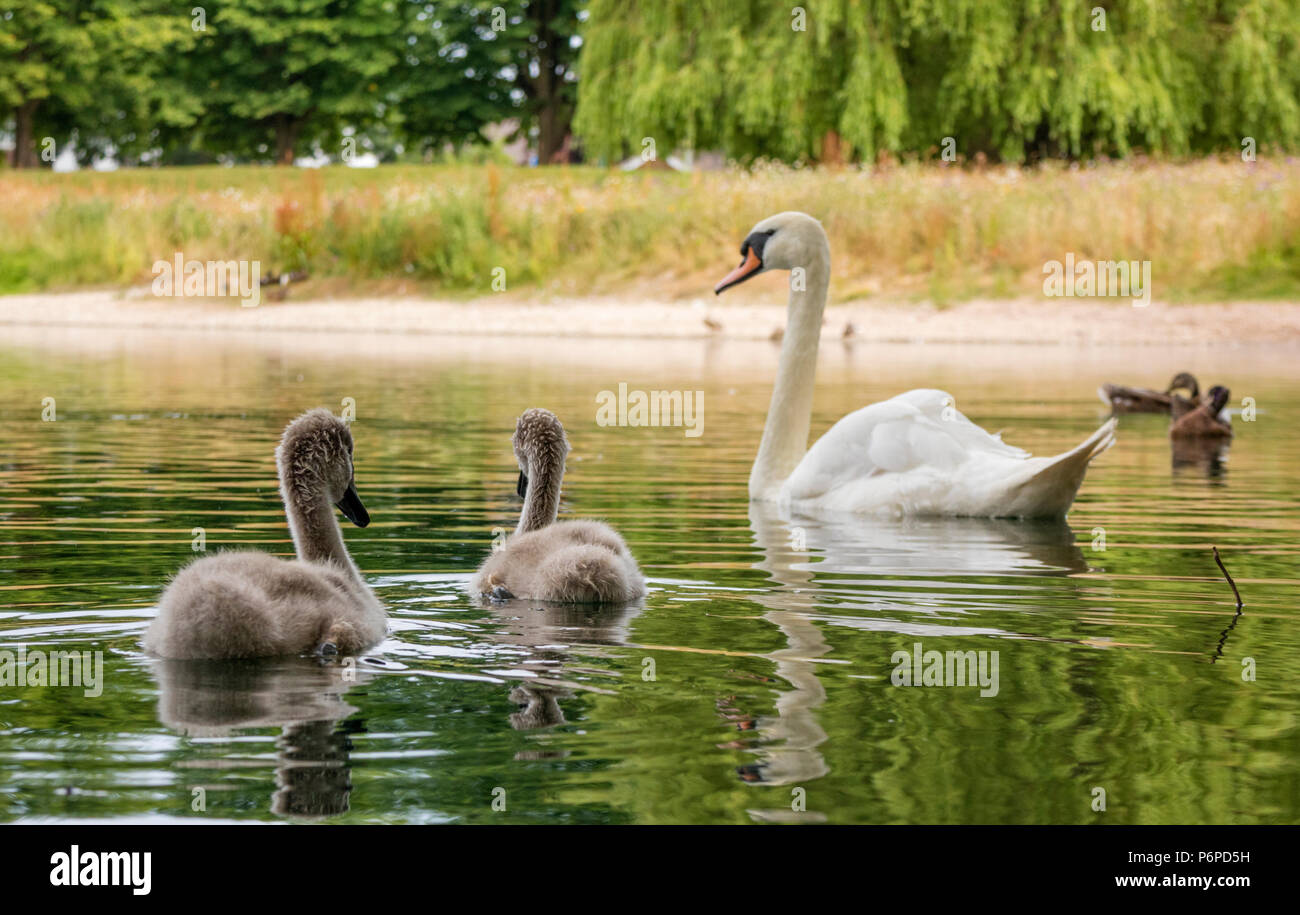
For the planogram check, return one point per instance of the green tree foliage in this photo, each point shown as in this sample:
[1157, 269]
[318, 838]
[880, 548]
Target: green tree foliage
[1007, 78]
[277, 74]
[96, 67]
[452, 75]
[42, 54]
[512, 59]
[275, 78]
[287, 75]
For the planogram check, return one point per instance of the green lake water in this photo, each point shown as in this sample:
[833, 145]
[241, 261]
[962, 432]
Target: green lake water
[753, 684]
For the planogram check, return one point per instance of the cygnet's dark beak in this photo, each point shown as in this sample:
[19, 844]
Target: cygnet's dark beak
[352, 508]
[522, 486]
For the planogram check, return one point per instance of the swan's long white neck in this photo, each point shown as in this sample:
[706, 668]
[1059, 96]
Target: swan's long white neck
[785, 437]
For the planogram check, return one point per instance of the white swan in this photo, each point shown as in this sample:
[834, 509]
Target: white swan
[914, 454]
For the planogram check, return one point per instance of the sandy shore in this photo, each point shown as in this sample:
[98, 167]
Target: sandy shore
[1061, 321]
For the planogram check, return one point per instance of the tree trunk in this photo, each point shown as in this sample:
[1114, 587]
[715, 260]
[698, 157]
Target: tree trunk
[24, 152]
[546, 92]
[287, 129]
[832, 150]
[550, 135]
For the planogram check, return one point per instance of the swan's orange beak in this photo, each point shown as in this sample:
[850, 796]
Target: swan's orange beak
[748, 267]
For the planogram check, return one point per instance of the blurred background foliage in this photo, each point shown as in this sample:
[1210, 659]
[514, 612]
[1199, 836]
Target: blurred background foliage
[1158, 106]
[268, 80]
[1011, 79]
[827, 80]
[1216, 229]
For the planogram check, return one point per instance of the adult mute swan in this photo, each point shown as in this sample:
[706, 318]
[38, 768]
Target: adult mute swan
[248, 604]
[576, 562]
[914, 454]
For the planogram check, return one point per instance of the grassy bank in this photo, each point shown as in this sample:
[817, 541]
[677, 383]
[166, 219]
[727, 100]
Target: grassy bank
[1213, 230]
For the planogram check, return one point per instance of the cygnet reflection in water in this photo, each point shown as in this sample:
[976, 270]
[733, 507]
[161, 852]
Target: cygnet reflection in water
[302, 696]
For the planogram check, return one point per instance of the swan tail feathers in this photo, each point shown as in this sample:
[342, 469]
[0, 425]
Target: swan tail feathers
[587, 574]
[1050, 489]
[213, 618]
[1099, 441]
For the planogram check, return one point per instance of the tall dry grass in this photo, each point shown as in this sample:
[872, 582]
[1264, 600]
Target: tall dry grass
[1213, 229]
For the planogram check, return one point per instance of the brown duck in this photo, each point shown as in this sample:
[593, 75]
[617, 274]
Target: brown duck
[1123, 399]
[1205, 421]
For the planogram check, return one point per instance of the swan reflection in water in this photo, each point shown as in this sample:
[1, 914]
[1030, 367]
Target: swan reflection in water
[808, 560]
[302, 696]
[547, 633]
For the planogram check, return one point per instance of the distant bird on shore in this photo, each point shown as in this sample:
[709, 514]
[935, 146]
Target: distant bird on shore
[283, 279]
[281, 283]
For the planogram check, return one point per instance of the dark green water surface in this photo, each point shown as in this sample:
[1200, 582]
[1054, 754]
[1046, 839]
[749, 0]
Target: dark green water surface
[752, 684]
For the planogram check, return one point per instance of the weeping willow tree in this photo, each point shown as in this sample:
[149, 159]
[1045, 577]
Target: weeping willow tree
[1011, 79]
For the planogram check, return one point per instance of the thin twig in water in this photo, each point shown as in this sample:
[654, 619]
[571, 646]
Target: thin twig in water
[1232, 584]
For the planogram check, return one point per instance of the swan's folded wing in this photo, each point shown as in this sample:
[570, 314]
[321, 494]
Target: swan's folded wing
[940, 407]
[918, 431]
[843, 452]
[913, 443]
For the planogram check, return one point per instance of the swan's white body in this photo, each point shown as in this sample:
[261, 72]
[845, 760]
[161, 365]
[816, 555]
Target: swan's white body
[914, 454]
